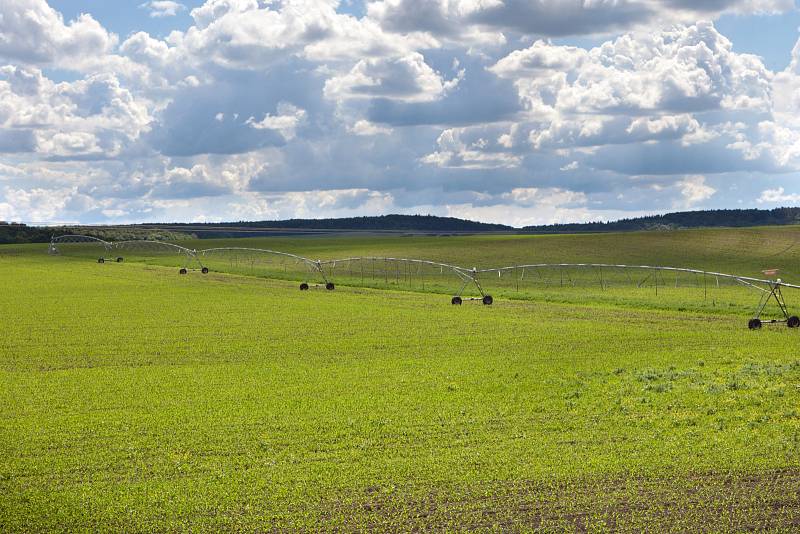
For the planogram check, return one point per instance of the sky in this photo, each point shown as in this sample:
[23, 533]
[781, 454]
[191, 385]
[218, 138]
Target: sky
[509, 111]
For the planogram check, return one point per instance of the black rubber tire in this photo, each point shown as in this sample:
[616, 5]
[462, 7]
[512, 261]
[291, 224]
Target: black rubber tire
[793, 322]
[120, 259]
[204, 270]
[329, 286]
[487, 300]
[754, 324]
[101, 260]
[456, 301]
[303, 287]
[183, 271]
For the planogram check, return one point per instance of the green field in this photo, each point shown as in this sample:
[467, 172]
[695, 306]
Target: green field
[132, 398]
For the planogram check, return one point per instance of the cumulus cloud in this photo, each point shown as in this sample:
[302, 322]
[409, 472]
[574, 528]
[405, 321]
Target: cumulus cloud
[454, 150]
[244, 34]
[196, 182]
[526, 206]
[532, 196]
[37, 204]
[571, 166]
[694, 190]
[214, 10]
[778, 196]
[285, 121]
[686, 68]
[406, 78]
[33, 33]
[312, 204]
[678, 101]
[91, 116]
[364, 127]
[163, 8]
[597, 130]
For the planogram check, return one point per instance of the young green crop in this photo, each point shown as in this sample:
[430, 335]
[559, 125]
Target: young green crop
[133, 398]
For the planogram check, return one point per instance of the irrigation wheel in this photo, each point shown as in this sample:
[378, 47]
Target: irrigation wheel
[793, 321]
[456, 301]
[101, 260]
[119, 259]
[303, 287]
[204, 270]
[183, 271]
[754, 324]
[329, 286]
[487, 300]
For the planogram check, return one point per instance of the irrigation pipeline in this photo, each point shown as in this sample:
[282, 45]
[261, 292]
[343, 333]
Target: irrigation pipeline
[769, 288]
[109, 245]
[642, 268]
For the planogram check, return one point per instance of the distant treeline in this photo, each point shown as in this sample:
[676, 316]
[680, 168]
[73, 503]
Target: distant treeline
[683, 219]
[430, 223]
[411, 223]
[20, 233]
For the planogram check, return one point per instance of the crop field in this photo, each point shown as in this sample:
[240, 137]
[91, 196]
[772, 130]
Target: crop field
[133, 398]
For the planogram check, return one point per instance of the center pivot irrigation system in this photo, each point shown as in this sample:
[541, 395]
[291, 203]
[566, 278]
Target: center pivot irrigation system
[415, 272]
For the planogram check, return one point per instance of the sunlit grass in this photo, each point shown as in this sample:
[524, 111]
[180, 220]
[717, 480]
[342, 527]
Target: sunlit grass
[133, 398]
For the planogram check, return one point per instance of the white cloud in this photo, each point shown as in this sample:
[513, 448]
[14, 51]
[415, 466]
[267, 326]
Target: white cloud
[532, 196]
[163, 8]
[456, 152]
[694, 190]
[90, 116]
[214, 10]
[570, 166]
[364, 127]
[31, 32]
[33, 205]
[598, 130]
[285, 121]
[198, 181]
[777, 196]
[406, 78]
[687, 68]
[312, 204]
[245, 35]
[528, 206]
[682, 88]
